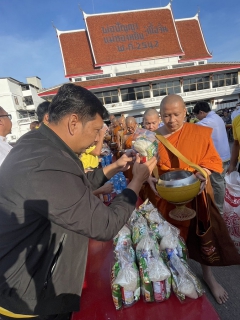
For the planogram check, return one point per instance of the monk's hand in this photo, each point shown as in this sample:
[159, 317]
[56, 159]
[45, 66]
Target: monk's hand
[142, 171]
[152, 183]
[203, 181]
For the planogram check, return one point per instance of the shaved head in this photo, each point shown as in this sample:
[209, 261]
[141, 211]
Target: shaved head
[111, 117]
[122, 122]
[173, 112]
[131, 119]
[131, 124]
[115, 122]
[150, 112]
[171, 99]
[151, 119]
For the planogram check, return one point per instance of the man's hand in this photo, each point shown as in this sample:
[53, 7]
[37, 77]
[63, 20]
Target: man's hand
[105, 189]
[124, 162]
[142, 171]
[152, 183]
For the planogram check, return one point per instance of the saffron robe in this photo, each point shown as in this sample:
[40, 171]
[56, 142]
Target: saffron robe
[196, 144]
[128, 141]
[115, 133]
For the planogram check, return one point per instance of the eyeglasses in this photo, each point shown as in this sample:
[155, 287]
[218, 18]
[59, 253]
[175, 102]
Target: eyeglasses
[6, 115]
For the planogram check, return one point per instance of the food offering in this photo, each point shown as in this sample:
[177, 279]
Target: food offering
[151, 255]
[145, 144]
[125, 280]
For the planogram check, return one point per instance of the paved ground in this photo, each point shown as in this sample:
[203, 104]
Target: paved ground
[229, 278]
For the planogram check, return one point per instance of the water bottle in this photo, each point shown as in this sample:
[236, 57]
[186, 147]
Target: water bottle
[103, 164]
[123, 181]
[117, 185]
[106, 159]
[109, 157]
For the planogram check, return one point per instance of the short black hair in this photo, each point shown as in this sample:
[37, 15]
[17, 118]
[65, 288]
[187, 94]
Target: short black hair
[201, 106]
[75, 99]
[42, 109]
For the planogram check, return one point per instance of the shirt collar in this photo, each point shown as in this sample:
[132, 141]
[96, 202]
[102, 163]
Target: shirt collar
[210, 113]
[3, 138]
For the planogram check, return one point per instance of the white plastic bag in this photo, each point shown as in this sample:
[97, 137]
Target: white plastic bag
[231, 208]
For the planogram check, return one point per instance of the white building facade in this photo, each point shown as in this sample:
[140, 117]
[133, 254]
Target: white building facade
[20, 100]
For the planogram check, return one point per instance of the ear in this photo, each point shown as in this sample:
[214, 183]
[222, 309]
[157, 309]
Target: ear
[73, 124]
[46, 118]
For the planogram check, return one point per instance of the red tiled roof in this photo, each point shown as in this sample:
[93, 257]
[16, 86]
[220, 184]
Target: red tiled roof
[192, 40]
[77, 56]
[149, 76]
[133, 35]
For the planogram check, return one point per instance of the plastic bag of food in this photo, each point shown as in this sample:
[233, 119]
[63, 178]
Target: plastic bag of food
[133, 218]
[129, 281]
[124, 234]
[154, 273]
[145, 144]
[115, 288]
[184, 282]
[146, 284]
[140, 228]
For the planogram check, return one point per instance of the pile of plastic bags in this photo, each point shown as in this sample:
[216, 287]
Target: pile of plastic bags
[149, 253]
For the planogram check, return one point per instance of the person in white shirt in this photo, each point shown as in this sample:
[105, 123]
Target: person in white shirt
[5, 129]
[210, 119]
[236, 112]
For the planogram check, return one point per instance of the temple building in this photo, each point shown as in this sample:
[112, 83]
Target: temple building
[130, 60]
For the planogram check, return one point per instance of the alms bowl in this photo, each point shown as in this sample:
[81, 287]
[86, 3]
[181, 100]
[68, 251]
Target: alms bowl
[178, 186]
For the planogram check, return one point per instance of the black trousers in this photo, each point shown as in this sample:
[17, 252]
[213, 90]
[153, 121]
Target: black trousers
[65, 316]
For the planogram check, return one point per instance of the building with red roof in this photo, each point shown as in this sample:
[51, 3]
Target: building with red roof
[130, 60]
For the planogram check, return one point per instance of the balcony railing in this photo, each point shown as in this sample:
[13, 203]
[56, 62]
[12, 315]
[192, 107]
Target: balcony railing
[24, 121]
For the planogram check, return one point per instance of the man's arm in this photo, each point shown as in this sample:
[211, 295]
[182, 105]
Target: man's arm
[71, 203]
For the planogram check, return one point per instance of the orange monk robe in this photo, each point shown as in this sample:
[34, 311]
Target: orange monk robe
[196, 144]
[128, 141]
[115, 133]
[121, 134]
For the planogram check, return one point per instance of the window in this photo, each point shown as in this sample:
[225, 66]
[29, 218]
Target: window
[136, 93]
[99, 76]
[25, 87]
[128, 94]
[16, 100]
[224, 79]
[142, 92]
[107, 97]
[198, 83]
[165, 88]
[127, 72]
[182, 65]
[28, 100]
[155, 69]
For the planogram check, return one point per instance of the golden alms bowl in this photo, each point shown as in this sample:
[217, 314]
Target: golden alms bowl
[179, 187]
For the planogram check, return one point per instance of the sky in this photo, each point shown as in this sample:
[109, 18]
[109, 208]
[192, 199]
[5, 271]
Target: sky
[29, 46]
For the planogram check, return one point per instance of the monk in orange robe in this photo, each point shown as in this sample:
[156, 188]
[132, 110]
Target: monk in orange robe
[131, 128]
[194, 143]
[116, 128]
[122, 132]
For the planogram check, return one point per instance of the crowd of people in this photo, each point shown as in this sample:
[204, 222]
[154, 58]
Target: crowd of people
[50, 182]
